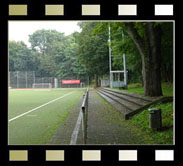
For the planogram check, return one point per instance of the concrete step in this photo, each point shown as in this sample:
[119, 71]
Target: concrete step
[136, 101]
[133, 95]
[119, 106]
[126, 103]
[129, 103]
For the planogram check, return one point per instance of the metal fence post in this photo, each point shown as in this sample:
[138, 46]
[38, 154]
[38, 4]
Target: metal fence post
[26, 78]
[34, 79]
[17, 80]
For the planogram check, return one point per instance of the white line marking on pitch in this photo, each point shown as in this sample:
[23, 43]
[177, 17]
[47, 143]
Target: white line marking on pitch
[39, 106]
[31, 115]
[76, 130]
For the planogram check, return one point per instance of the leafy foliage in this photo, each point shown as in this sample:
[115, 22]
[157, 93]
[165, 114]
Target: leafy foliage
[51, 54]
[92, 49]
[21, 58]
[86, 53]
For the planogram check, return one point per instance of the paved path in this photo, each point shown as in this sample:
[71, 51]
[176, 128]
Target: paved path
[105, 125]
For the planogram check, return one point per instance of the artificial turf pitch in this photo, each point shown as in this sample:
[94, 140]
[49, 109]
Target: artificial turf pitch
[36, 127]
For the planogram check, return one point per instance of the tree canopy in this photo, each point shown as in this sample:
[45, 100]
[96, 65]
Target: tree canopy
[51, 54]
[92, 50]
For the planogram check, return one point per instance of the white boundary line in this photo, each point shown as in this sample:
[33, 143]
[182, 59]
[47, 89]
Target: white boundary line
[39, 107]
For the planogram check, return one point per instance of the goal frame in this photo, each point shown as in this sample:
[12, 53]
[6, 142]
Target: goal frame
[42, 86]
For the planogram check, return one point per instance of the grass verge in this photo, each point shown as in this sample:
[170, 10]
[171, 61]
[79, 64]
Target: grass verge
[167, 88]
[141, 120]
[165, 135]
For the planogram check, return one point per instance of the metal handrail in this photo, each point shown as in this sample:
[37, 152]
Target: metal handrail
[84, 109]
[83, 116]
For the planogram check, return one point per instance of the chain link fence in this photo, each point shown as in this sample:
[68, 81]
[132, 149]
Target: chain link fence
[25, 79]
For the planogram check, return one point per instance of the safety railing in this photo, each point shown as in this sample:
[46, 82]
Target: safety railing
[84, 109]
[83, 117]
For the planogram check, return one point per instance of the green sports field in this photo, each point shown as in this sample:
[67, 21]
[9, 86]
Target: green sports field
[35, 115]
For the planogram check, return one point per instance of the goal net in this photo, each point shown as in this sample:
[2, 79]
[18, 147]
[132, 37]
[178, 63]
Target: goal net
[41, 86]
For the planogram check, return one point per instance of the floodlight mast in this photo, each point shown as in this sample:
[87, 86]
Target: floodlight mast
[125, 71]
[110, 66]
[124, 65]
[110, 56]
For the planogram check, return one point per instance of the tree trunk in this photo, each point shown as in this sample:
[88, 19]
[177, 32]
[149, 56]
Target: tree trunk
[96, 80]
[150, 50]
[153, 61]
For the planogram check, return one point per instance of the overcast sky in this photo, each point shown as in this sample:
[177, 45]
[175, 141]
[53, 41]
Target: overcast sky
[20, 30]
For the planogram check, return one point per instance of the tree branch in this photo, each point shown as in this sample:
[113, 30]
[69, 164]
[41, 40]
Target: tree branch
[135, 37]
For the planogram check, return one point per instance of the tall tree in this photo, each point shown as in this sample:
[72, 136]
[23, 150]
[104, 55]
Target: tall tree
[167, 51]
[57, 54]
[20, 57]
[147, 38]
[93, 50]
